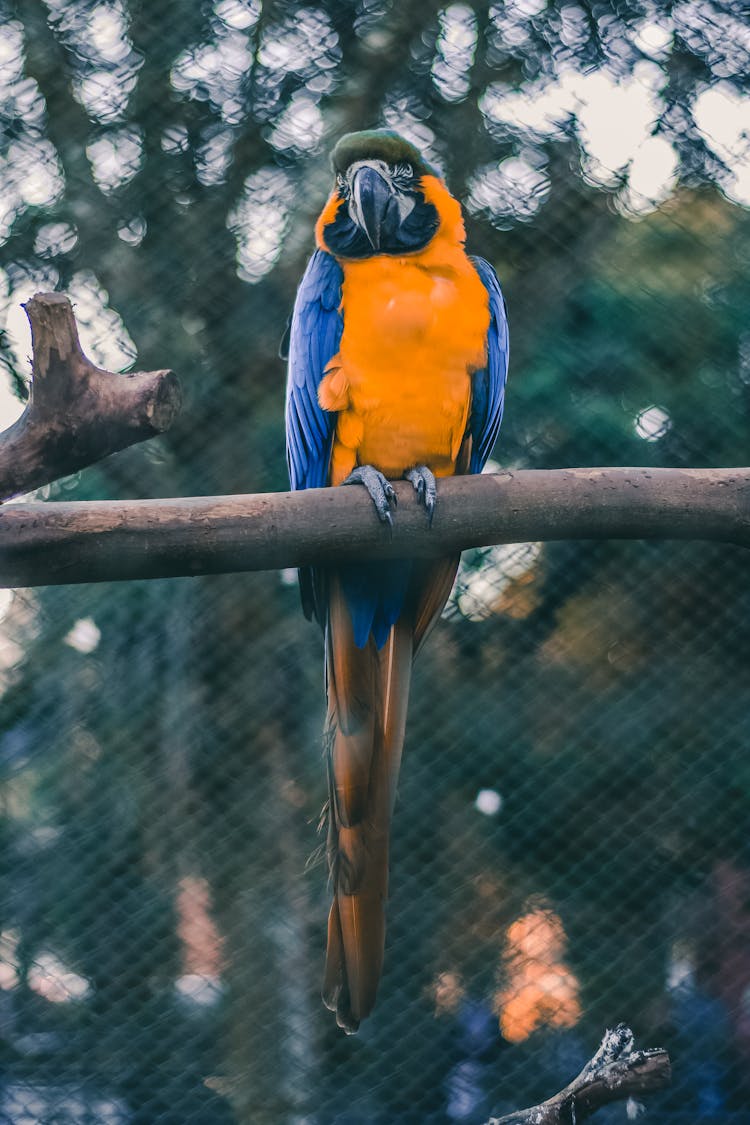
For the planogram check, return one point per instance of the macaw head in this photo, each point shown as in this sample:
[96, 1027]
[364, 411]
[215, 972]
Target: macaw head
[380, 201]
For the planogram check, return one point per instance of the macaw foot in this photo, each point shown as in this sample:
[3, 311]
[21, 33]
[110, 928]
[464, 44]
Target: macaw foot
[381, 492]
[423, 480]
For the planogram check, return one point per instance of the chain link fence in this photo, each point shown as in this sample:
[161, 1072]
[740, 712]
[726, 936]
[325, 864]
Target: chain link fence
[570, 843]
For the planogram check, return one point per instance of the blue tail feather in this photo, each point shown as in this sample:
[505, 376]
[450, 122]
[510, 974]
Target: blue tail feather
[375, 594]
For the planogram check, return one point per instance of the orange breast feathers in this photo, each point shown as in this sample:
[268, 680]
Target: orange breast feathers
[414, 329]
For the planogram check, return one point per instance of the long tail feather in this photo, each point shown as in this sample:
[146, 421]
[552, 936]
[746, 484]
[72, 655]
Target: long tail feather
[368, 691]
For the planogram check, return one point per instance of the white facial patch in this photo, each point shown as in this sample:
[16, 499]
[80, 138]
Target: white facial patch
[405, 203]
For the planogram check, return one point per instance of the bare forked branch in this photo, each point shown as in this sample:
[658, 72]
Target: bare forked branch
[77, 413]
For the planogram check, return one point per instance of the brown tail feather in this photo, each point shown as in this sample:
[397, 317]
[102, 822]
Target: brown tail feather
[368, 694]
[433, 582]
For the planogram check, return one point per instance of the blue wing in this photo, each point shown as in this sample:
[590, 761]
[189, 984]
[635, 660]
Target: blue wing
[488, 385]
[314, 337]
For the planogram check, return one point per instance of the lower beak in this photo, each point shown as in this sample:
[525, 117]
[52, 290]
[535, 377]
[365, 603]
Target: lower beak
[371, 195]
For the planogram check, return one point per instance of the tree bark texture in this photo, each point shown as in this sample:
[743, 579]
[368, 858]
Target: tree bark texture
[96, 541]
[77, 413]
[616, 1071]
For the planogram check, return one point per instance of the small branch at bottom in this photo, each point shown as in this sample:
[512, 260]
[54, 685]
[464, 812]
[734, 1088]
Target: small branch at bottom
[616, 1071]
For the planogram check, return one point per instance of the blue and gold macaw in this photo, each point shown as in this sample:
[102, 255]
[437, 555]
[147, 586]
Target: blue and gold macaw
[398, 354]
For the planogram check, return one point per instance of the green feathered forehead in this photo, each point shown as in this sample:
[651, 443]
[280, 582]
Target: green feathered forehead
[378, 144]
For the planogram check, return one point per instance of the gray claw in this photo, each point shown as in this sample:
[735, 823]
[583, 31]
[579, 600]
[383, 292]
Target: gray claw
[381, 491]
[423, 480]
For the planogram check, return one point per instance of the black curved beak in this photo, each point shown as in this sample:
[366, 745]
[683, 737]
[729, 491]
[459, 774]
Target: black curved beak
[370, 198]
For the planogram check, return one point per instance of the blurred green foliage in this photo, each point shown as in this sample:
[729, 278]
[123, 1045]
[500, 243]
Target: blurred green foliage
[160, 742]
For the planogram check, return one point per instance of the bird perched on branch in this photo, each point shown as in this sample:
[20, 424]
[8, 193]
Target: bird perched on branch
[398, 353]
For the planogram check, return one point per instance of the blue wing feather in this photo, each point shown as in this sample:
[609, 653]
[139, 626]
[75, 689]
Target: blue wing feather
[314, 338]
[488, 384]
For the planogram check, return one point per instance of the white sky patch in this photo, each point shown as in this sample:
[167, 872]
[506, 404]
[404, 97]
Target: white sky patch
[654, 37]
[722, 116]
[84, 637]
[212, 158]
[652, 423]
[11, 654]
[527, 9]
[115, 158]
[456, 46]
[55, 238]
[6, 599]
[42, 180]
[300, 126]
[9, 962]
[680, 967]
[307, 41]
[107, 32]
[45, 835]
[20, 96]
[18, 627]
[31, 176]
[510, 21]
[100, 38]
[99, 33]
[216, 70]
[479, 588]
[175, 139]
[11, 408]
[538, 108]
[259, 222]
[13, 321]
[239, 14]
[105, 94]
[29, 171]
[488, 801]
[719, 32]
[199, 989]
[104, 338]
[614, 119]
[514, 189]
[52, 979]
[11, 56]
[652, 176]
[103, 335]
[133, 232]
[573, 27]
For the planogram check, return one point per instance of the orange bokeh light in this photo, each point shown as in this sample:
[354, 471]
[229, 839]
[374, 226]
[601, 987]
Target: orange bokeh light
[540, 990]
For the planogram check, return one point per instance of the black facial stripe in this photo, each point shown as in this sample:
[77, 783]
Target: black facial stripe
[402, 175]
[421, 225]
[346, 240]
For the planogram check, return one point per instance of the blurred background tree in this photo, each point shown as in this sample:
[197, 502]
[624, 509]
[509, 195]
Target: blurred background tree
[571, 833]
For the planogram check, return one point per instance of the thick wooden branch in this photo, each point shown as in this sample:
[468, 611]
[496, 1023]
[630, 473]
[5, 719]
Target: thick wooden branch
[43, 544]
[76, 413]
[616, 1071]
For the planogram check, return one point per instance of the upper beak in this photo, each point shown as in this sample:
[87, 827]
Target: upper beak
[371, 194]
